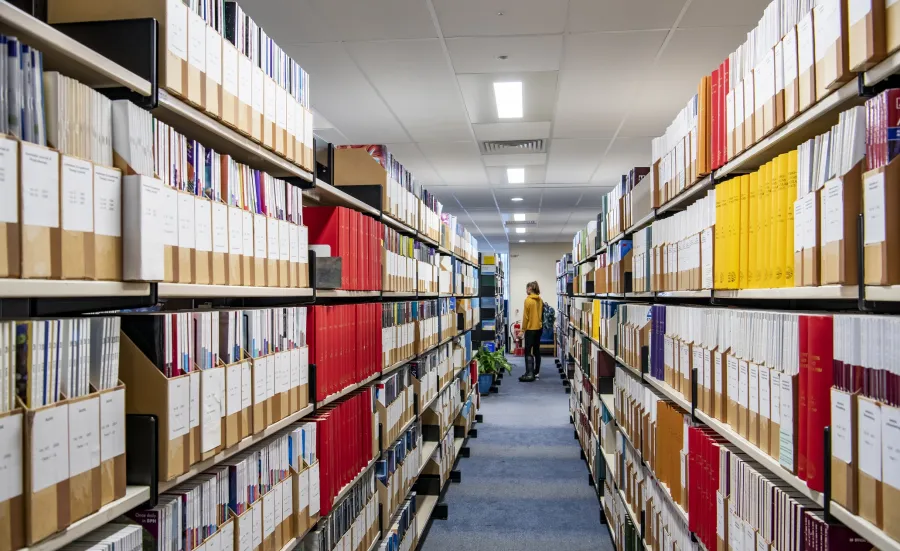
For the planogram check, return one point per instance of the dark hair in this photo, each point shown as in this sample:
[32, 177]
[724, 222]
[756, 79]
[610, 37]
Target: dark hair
[533, 287]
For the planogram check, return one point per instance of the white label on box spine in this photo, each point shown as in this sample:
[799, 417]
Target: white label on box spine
[873, 202]
[833, 211]
[203, 224]
[870, 438]
[213, 55]
[107, 201]
[211, 409]
[233, 379]
[245, 80]
[284, 241]
[49, 447]
[11, 468]
[112, 424]
[194, 401]
[9, 181]
[890, 439]
[176, 29]
[235, 231]
[246, 385]
[229, 69]
[179, 407]
[196, 41]
[219, 228]
[84, 436]
[259, 236]
[40, 186]
[841, 426]
[77, 194]
[186, 226]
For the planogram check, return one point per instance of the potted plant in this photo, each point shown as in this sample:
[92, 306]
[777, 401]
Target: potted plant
[490, 364]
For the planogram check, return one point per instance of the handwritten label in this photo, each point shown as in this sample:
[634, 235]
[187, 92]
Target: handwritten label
[11, 466]
[40, 186]
[49, 447]
[107, 201]
[112, 424]
[179, 407]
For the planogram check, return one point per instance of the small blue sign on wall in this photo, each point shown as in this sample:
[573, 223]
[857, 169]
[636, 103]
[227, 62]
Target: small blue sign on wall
[490, 346]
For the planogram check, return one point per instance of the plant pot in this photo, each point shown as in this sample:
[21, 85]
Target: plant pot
[485, 381]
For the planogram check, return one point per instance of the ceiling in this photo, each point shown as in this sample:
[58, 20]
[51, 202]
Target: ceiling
[600, 79]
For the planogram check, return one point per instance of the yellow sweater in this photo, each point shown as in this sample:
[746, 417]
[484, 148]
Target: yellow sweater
[534, 308]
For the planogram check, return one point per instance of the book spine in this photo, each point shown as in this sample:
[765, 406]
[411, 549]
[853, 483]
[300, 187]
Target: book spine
[802, 394]
[820, 379]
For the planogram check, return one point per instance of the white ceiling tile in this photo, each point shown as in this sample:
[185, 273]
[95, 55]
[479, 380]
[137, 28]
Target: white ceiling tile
[524, 53]
[332, 135]
[342, 94]
[285, 20]
[622, 15]
[655, 104]
[457, 163]
[625, 154]
[512, 131]
[538, 95]
[720, 13]
[621, 56]
[472, 198]
[520, 17]
[573, 161]
[412, 159]
[353, 20]
[561, 201]
[417, 85]
[691, 54]
[526, 159]
[590, 105]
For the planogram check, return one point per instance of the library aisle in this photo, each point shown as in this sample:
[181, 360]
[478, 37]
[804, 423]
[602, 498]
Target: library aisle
[524, 486]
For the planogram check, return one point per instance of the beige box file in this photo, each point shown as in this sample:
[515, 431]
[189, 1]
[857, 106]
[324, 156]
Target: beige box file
[39, 209]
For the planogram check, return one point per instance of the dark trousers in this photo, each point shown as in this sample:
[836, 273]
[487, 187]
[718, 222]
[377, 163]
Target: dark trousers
[533, 347]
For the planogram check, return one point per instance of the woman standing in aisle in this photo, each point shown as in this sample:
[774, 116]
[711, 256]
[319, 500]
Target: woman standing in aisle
[533, 326]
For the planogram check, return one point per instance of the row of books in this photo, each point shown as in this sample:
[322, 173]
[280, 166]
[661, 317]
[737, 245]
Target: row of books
[22, 91]
[404, 532]
[182, 342]
[341, 362]
[400, 266]
[737, 503]
[112, 537]
[355, 238]
[218, 59]
[778, 379]
[353, 523]
[45, 361]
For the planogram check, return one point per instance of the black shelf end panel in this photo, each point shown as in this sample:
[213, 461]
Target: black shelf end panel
[132, 43]
[141, 458]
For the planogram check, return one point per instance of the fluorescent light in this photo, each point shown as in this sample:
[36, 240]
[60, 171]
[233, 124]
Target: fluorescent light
[516, 199]
[520, 230]
[515, 175]
[509, 99]
[519, 217]
[521, 240]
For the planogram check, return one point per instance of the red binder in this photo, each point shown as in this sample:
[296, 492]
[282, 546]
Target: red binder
[723, 122]
[820, 380]
[802, 396]
[714, 118]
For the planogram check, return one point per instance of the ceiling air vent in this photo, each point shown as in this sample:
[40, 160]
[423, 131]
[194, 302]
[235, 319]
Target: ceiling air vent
[512, 223]
[512, 147]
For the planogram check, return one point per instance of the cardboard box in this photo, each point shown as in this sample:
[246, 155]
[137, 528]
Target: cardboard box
[168, 197]
[10, 256]
[260, 249]
[234, 255]
[832, 67]
[230, 88]
[806, 240]
[890, 426]
[40, 208]
[806, 62]
[212, 79]
[167, 398]
[271, 264]
[220, 243]
[173, 30]
[871, 488]
[107, 237]
[844, 452]
[47, 497]
[865, 34]
[72, 242]
[84, 457]
[12, 504]
[257, 104]
[203, 241]
[881, 201]
[196, 65]
[840, 210]
[112, 444]
[184, 256]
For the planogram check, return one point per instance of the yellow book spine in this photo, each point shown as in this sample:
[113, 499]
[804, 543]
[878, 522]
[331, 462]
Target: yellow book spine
[595, 322]
[765, 211]
[726, 237]
[719, 252]
[752, 230]
[735, 244]
[780, 197]
[744, 261]
[790, 197]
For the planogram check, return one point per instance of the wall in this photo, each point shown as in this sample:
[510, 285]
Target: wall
[533, 262]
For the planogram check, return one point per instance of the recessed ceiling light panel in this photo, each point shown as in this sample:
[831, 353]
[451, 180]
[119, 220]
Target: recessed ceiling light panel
[521, 240]
[516, 199]
[515, 175]
[509, 99]
[521, 230]
[519, 217]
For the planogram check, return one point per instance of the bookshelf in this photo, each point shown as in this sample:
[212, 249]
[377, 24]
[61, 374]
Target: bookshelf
[493, 325]
[106, 67]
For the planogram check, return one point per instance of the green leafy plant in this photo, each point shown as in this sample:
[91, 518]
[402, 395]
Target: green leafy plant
[492, 362]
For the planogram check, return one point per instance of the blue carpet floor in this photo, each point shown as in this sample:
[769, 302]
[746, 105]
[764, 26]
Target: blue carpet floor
[524, 487]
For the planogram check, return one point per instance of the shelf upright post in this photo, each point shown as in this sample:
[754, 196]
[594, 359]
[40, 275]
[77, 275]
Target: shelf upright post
[694, 395]
[826, 503]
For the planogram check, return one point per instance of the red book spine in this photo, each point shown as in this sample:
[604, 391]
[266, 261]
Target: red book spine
[714, 118]
[821, 379]
[802, 393]
[723, 127]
